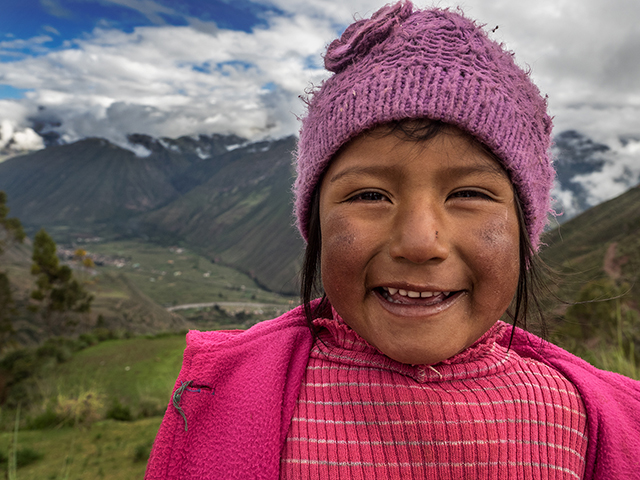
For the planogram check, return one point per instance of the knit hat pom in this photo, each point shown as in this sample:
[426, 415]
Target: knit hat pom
[361, 36]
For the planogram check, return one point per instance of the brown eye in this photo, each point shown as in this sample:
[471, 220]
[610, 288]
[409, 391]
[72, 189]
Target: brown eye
[470, 194]
[368, 197]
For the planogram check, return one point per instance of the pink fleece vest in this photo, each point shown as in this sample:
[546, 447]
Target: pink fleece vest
[235, 396]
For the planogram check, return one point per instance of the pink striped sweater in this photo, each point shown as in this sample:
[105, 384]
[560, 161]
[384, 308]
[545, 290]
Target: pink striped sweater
[237, 393]
[485, 413]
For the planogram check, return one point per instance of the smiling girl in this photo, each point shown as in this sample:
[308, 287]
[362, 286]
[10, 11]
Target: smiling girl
[422, 191]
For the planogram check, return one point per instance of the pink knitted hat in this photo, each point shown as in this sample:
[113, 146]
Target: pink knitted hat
[405, 64]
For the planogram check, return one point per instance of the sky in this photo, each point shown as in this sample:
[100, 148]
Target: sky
[108, 68]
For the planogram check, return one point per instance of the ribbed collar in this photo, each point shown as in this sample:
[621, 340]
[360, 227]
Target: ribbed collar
[339, 343]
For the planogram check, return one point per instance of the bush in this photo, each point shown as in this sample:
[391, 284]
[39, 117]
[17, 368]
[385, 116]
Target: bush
[84, 409]
[20, 364]
[141, 453]
[119, 412]
[59, 352]
[104, 334]
[151, 407]
[26, 456]
[47, 419]
[24, 393]
[88, 339]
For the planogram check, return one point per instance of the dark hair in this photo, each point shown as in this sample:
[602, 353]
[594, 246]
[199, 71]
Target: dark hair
[531, 268]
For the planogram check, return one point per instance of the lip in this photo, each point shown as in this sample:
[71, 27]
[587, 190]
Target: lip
[408, 310]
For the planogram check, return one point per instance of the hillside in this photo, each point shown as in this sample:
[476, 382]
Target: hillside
[118, 303]
[218, 195]
[603, 241]
[241, 216]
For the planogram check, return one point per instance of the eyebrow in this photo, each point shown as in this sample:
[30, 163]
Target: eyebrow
[483, 168]
[367, 170]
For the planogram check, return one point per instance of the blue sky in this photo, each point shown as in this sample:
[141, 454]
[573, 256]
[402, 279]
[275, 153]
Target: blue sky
[68, 19]
[108, 68]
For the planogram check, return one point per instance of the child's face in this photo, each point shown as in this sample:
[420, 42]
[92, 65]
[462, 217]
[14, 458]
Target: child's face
[403, 217]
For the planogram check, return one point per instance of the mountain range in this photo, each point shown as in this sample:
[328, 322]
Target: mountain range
[226, 198]
[221, 196]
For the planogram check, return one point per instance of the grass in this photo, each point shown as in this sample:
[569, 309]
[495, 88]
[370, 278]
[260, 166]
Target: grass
[107, 450]
[129, 371]
[170, 276]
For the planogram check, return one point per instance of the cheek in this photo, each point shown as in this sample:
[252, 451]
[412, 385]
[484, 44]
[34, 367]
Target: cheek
[341, 254]
[498, 258]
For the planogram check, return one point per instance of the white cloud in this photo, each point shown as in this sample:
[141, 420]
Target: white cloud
[33, 44]
[620, 172]
[14, 139]
[171, 81]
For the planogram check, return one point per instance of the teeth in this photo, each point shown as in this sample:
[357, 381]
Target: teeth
[412, 294]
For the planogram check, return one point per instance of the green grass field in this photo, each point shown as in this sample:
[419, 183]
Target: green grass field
[107, 450]
[172, 276]
[137, 373]
[124, 370]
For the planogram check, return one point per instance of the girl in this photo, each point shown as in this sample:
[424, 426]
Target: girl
[422, 190]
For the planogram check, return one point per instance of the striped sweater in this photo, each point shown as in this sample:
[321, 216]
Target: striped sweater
[485, 413]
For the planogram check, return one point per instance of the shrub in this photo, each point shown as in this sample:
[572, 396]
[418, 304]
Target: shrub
[59, 352]
[20, 364]
[26, 456]
[46, 419]
[151, 407]
[88, 339]
[104, 334]
[84, 409]
[119, 412]
[141, 453]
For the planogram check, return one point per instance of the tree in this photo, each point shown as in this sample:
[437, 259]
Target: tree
[57, 290]
[7, 310]
[13, 231]
[10, 231]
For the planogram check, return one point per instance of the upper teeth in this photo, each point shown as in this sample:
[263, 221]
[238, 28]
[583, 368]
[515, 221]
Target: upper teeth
[412, 294]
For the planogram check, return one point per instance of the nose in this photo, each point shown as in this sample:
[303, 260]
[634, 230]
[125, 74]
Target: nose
[419, 235]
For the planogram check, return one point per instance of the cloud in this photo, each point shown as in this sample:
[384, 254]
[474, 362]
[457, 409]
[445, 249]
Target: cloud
[54, 8]
[50, 29]
[17, 47]
[150, 9]
[168, 80]
[171, 81]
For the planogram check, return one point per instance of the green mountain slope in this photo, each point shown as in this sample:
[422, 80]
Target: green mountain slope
[87, 182]
[241, 216]
[217, 195]
[604, 241]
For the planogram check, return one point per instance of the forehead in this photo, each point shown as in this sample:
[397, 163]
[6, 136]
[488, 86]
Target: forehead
[383, 151]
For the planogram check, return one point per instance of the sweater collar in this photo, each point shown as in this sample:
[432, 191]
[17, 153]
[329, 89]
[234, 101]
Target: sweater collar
[343, 345]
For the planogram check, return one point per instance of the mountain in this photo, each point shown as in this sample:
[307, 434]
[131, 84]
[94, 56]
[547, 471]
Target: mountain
[241, 216]
[226, 198]
[95, 182]
[603, 241]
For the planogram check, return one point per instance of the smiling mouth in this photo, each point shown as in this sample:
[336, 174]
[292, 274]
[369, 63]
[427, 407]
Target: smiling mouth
[409, 297]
